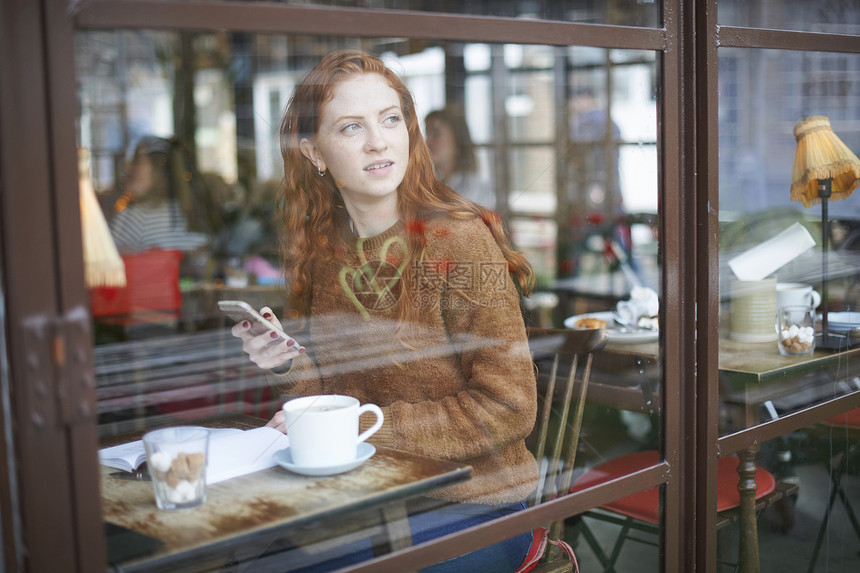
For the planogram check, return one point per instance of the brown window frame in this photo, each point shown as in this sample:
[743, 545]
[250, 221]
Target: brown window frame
[50, 496]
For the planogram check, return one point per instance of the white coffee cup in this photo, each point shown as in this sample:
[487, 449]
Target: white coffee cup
[796, 294]
[323, 430]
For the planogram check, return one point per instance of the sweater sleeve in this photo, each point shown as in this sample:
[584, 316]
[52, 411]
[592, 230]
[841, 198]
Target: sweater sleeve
[480, 308]
[302, 379]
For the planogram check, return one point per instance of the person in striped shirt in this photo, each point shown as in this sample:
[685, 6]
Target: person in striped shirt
[151, 213]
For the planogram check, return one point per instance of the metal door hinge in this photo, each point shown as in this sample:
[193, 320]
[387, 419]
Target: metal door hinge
[60, 380]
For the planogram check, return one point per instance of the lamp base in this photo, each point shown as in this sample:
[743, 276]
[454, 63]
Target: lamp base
[835, 342]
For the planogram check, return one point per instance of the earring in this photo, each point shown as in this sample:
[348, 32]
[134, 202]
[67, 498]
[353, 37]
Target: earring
[321, 171]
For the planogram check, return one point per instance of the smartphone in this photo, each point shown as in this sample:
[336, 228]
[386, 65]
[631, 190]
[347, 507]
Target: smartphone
[240, 310]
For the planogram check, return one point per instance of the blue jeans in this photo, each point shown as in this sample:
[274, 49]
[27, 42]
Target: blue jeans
[504, 556]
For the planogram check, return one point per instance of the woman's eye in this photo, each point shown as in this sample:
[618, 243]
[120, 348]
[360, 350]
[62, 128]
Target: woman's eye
[393, 119]
[350, 128]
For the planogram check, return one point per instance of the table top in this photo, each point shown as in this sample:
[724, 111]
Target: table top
[750, 363]
[761, 362]
[268, 503]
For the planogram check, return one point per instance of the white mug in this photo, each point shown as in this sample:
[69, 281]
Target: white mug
[796, 294]
[323, 430]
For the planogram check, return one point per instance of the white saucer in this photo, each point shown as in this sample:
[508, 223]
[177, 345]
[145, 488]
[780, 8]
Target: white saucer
[285, 459]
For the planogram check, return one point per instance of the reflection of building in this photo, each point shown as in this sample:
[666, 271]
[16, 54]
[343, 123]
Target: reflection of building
[594, 141]
[271, 91]
[764, 93]
[128, 89]
[513, 108]
[526, 149]
[124, 95]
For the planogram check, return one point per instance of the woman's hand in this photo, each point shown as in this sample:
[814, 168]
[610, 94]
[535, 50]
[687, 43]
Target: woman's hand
[278, 421]
[267, 350]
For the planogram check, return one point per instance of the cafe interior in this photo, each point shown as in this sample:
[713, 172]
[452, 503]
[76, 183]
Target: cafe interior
[679, 175]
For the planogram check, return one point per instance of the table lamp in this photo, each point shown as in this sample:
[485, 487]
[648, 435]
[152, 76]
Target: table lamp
[824, 170]
[102, 264]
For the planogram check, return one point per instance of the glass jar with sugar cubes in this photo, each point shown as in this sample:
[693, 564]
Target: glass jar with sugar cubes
[795, 326]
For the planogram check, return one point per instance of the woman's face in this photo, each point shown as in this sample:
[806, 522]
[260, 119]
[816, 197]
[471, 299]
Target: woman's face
[362, 139]
[443, 146]
[139, 175]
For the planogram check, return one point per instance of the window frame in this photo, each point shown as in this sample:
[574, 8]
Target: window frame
[253, 17]
[49, 466]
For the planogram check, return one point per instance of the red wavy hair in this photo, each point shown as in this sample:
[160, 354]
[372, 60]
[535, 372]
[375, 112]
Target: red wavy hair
[308, 204]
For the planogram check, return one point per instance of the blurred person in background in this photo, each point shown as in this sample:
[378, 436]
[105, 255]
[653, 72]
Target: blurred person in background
[156, 209]
[595, 139]
[454, 157]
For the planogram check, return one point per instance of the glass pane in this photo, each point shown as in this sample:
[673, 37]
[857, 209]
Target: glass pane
[802, 15]
[816, 466]
[778, 266]
[757, 154]
[184, 136]
[529, 106]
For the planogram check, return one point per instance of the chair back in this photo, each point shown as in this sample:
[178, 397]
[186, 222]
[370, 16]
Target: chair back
[152, 285]
[558, 356]
[563, 359]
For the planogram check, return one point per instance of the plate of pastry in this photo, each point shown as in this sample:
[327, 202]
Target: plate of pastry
[646, 330]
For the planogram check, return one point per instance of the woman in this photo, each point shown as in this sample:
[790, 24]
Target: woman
[454, 156]
[151, 212]
[407, 295]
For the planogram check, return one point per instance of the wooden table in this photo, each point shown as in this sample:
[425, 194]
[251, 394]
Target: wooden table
[242, 516]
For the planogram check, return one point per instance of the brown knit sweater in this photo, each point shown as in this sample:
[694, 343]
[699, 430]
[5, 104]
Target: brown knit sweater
[459, 383]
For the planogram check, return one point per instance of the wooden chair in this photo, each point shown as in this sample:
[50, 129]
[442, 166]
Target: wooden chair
[561, 356]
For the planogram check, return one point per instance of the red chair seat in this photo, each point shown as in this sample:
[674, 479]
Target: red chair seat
[849, 419]
[645, 504]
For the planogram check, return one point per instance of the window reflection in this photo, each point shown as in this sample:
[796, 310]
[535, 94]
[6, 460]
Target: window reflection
[764, 94]
[757, 148]
[565, 140]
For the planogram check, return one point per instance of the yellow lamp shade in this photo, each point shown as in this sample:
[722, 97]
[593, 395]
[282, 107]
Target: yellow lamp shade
[822, 155]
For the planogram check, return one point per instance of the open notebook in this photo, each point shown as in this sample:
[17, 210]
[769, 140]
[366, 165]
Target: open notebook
[232, 452]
